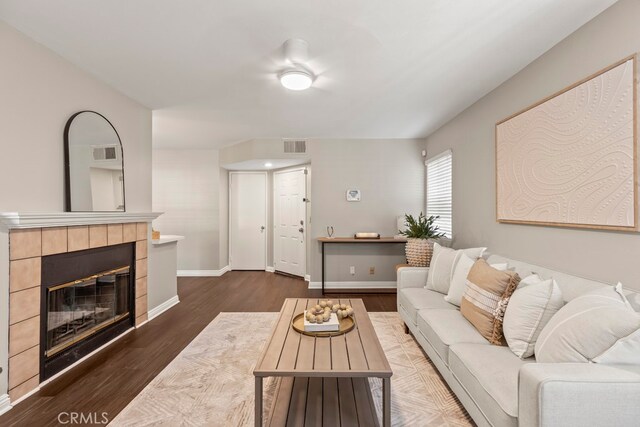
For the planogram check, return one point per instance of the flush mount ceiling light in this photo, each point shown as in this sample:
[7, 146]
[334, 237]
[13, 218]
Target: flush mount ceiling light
[297, 77]
[268, 165]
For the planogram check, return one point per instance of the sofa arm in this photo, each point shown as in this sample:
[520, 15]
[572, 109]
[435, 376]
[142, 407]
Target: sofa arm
[412, 277]
[578, 394]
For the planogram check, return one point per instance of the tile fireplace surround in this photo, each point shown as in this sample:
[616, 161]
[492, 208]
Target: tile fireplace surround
[24, 240]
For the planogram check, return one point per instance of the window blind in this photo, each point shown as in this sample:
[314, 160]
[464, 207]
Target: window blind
[439, 189]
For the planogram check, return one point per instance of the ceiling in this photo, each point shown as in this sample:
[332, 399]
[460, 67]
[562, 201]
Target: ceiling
[385, 69]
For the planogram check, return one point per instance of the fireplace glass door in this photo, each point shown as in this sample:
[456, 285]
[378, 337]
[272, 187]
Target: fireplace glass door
[77, 309]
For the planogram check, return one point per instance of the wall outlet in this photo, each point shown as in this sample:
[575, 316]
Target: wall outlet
[352, 270]
[372, 270]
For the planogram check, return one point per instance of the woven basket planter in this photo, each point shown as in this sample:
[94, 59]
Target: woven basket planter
[419, 252]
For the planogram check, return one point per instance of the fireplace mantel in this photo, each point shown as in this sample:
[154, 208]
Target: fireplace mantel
[21, 220]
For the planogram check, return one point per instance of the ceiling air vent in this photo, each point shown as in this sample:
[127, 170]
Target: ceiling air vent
[295, 145]
[105, 153]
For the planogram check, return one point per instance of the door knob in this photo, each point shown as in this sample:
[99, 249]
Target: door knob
[301, 230]
[262, 228]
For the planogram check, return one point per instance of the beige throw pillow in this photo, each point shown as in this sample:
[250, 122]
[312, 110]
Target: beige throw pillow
[443, 264]
[485, 300]
[530, 308]
[597, 327]
[459, 279]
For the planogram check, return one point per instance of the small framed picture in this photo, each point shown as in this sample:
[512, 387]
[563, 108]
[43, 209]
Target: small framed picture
[353, 195]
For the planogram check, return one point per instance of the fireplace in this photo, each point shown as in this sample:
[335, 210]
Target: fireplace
[88, 298]
[42, 251]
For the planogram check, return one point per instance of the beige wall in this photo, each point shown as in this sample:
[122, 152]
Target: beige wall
[601, 255]
[4, 314]
[40, 91]
[390, 175]
[162, 273]
[186, 187]
[388, 172]
[224, 218]
[261, 148]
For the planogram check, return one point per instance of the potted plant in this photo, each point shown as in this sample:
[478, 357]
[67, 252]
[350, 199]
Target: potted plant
[420, 234]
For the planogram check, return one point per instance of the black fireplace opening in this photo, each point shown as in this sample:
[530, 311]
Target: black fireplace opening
[87, 299]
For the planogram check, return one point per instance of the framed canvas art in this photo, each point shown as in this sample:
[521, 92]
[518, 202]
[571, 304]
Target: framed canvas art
[571, 159]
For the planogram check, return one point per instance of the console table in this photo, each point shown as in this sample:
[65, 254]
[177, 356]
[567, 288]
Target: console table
[352, 240]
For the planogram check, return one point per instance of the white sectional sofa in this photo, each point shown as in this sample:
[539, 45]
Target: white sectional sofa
[499, 389]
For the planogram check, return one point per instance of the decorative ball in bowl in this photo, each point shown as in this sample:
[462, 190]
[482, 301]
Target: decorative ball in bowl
[342, 310]
[321, 312]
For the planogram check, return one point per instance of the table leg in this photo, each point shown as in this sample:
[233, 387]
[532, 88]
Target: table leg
[322, 273]
[386, 402]
[258, 416]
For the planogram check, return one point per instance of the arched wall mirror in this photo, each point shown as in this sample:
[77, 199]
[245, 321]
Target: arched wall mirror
[94, 167]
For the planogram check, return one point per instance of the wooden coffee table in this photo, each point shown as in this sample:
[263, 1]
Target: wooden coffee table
[323, 381]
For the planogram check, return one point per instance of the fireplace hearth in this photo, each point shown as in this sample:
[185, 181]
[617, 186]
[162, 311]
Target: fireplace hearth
[88, 298]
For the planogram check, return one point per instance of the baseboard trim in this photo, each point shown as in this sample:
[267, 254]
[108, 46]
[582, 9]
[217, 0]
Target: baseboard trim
[354, 285]
[270, 269]
[203, 273]
[157, 311]
[5, 403]
[24, 397]
[143, 323]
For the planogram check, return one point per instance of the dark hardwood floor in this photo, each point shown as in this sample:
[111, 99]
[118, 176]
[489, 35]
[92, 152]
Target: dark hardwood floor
[108, 381]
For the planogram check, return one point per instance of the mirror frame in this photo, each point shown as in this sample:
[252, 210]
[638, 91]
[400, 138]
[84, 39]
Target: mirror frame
[67, 168]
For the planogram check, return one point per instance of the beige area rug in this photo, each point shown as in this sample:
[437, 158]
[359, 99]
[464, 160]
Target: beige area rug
[211, 383]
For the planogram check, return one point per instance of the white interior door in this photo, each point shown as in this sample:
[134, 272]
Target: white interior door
[248, 220]
[289, 220]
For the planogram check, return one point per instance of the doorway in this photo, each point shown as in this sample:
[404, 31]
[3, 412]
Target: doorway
[289, 221]
[248, 220]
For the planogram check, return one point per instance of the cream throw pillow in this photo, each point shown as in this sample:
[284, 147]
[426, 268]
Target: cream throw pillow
[530, 308]
[459, 279]
[599, 327]
[443, 263]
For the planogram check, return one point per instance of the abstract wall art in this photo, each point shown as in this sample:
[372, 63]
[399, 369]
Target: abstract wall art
[570, 159]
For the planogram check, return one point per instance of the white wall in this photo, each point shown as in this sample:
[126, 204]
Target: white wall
[40, 91]
[186, 187]
[601, 255]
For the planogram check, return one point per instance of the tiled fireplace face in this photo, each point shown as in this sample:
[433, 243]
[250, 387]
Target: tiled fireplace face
[26, 249]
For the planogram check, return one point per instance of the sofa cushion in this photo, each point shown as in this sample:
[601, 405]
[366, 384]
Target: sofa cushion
[571, 286]
[414, 299]
[489, 374]
[443, 328]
